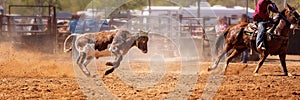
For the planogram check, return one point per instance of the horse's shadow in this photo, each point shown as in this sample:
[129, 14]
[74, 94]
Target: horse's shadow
[291, 60]
[277, 75]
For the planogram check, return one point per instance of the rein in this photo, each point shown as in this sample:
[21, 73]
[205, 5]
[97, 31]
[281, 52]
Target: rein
[282, 16]
[283, 37]
[136, 43]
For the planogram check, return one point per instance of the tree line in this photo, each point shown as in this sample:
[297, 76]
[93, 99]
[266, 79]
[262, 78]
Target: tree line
[79, 5]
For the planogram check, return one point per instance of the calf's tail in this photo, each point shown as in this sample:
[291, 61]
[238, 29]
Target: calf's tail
[65, 42]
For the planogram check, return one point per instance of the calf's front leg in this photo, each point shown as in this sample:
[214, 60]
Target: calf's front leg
[116, 63]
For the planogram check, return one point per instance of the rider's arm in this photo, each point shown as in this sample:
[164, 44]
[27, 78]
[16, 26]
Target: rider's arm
[272, 7]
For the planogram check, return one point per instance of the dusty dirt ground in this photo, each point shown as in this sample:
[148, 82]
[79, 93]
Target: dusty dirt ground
[31, 75]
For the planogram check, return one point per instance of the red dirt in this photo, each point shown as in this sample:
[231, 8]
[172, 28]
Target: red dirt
[31, 75]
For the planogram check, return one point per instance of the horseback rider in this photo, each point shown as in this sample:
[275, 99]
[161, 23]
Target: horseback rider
[261, 16]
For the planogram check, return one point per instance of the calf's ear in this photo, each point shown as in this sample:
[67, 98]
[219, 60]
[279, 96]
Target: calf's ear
[139, 30]
[289, 7]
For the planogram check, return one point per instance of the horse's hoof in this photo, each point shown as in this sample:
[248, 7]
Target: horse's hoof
[109, 64]
[255, 74]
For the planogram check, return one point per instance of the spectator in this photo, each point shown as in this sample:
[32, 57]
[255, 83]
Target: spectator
[64, 28]
[81, 26]
[72, 29]
[244, 19]
[1, 9]
[73, 23]
[221, 26]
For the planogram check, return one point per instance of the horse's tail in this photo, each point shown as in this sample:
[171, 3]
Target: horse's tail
[221, 39]
[65, 42]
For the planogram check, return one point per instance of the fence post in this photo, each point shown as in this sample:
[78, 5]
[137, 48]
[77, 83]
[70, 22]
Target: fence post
[1, 22]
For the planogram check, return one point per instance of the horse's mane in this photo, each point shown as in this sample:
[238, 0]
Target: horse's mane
[285, 9]
[283, 12]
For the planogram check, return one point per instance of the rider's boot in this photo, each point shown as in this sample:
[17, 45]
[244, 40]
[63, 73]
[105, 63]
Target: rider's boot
[261, 46]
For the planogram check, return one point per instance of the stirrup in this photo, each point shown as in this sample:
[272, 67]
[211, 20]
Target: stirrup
[261, 47]
[270, 32]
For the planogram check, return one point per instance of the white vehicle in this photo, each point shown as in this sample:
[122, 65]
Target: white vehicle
[206, 11]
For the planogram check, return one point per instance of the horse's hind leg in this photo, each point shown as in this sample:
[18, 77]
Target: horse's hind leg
[223, 52]
[234, 54]
[216, 63]
[283, 64]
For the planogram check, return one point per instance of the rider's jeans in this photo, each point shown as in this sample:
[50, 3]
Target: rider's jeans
[261, 32]
[245, 56]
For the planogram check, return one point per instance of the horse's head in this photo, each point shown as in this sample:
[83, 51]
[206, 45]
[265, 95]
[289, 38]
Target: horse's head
[292, 15]
[142, 41]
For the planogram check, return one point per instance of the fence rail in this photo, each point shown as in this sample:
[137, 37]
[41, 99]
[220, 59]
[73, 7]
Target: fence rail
[40, 27]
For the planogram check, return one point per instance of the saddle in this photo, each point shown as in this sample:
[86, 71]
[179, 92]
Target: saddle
[252, 30]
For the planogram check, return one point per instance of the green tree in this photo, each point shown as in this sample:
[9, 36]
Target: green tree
[79, 5]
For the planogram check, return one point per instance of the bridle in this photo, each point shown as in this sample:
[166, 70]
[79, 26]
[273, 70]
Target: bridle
[140, 34]
[294, 13]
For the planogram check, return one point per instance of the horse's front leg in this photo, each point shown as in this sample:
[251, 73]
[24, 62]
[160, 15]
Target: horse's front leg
[283, 64]
[260, 62]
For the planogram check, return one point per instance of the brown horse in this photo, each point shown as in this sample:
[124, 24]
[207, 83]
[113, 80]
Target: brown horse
[238, 41]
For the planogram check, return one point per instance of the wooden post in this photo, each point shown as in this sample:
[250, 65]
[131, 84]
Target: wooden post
[8, 21]
[247, 6]
[255, 2]
[284, 4]
[149, 5]
[198, 11]
[1, 22]
[54, 29]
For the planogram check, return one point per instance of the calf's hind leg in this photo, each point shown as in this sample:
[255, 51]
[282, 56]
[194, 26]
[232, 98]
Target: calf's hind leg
[83, 66]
